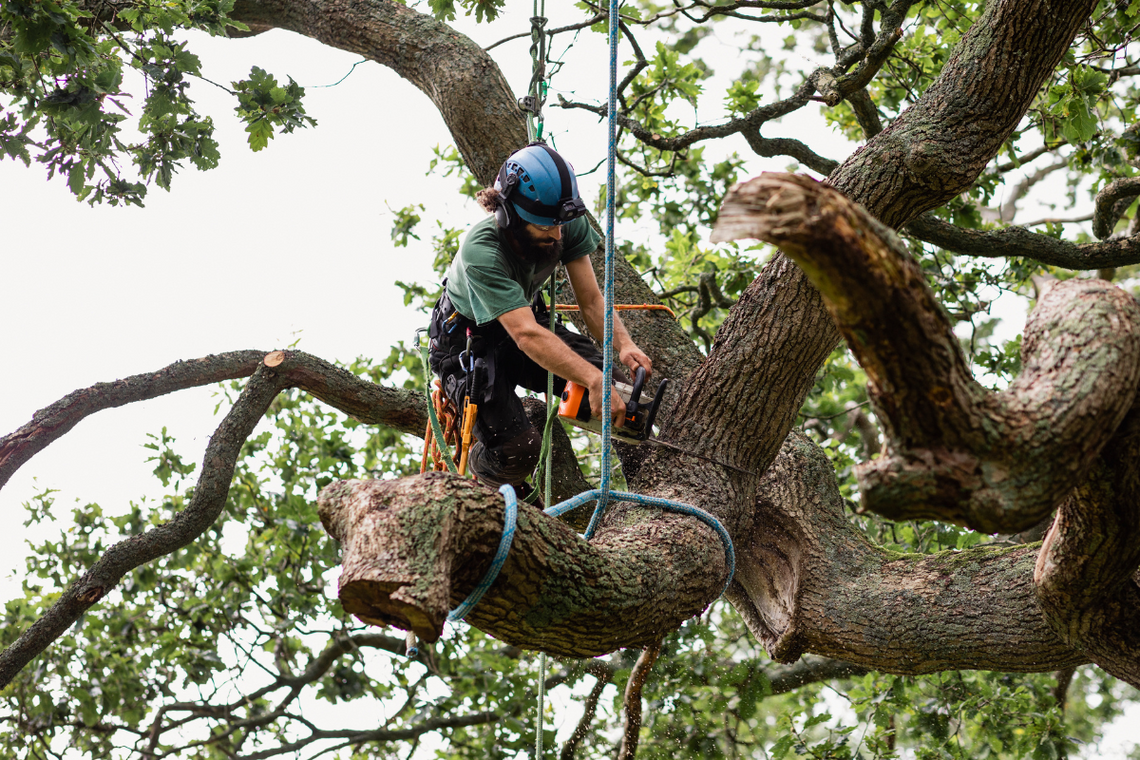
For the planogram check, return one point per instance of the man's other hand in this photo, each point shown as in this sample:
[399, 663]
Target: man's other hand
[633, 357]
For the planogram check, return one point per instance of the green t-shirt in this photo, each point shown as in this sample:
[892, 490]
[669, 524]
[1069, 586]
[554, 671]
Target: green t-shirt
[486, 280]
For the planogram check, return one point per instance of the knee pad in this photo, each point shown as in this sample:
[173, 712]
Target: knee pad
[510, 462]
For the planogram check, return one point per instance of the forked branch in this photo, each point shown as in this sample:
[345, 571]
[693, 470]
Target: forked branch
[370, 403]
[997, 462]
[209, 498]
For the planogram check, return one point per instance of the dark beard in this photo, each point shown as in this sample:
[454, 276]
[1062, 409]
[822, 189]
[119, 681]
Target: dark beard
[538, 253]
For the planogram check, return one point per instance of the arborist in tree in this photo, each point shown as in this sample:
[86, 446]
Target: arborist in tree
[491, 324]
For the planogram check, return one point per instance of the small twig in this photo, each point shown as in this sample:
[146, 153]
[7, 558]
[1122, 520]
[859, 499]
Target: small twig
[633, 687]
[840, 414]
[583, 727]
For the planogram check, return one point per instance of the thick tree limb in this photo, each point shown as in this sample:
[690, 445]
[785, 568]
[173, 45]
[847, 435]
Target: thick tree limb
[205, 506]
[937, 148]
[414, 549]
[398, 408]
[992, 461]
[461, 79]
[1086, 571]
[811, 582]
[1019, 241]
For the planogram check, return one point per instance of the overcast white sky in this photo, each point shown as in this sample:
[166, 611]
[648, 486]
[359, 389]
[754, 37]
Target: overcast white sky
[290, 241]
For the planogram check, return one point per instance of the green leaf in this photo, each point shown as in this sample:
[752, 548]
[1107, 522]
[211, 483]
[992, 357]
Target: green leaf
[444, 10]
[780, 749]
[259, 133]
[1081, 123]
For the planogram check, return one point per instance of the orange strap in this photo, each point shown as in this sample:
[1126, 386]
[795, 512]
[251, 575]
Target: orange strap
[621, 307]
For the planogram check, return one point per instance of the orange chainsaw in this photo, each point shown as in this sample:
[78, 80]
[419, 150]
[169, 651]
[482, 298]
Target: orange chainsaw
[640, 411]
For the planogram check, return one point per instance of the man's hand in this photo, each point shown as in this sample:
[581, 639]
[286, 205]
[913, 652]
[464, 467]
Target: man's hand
[617, 406]
[633, 357]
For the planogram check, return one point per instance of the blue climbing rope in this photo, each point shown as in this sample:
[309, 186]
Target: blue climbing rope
[604, 494]
[510, 515]
[653, 501]
[608, 324]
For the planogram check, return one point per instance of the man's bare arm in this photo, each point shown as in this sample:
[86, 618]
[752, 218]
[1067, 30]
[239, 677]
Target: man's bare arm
[548, 350]
[592, 304]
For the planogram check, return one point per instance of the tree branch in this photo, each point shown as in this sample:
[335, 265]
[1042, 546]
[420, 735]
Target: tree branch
[1085, 573]
[54, 421]
[205, 506]
[631, 704]
[589, 709]
[811, 582]
[1018, 241]
[1111, 203]
[411, 560]
[957, 452]
[356, 738]
[370, 403]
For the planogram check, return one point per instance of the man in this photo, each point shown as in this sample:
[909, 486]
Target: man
[537, 223]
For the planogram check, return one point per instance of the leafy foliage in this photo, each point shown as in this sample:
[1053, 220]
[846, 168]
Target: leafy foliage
[62, 70]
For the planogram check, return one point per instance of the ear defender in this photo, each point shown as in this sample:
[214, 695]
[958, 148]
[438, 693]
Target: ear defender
[506, 184]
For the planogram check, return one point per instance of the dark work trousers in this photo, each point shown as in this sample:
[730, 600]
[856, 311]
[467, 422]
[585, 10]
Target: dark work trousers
[507, 444]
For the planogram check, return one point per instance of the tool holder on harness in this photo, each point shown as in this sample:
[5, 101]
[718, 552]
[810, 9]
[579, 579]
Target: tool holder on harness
[476, 372]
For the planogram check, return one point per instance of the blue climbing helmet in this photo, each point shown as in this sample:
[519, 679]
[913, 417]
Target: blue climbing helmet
[539, 187]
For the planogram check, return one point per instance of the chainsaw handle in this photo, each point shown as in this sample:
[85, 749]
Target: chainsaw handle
[635, 394]
[651, 415]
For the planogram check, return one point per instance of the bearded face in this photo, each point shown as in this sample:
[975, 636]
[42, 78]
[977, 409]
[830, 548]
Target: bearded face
[536, 248]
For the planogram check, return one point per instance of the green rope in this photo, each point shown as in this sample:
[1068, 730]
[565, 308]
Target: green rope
[551, 407]
[436, 430]
[541, 693]
[537, 88]
[547, 458]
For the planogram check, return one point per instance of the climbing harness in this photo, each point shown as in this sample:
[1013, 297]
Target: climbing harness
[476, 373]
[433, 418]
[446, 416]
